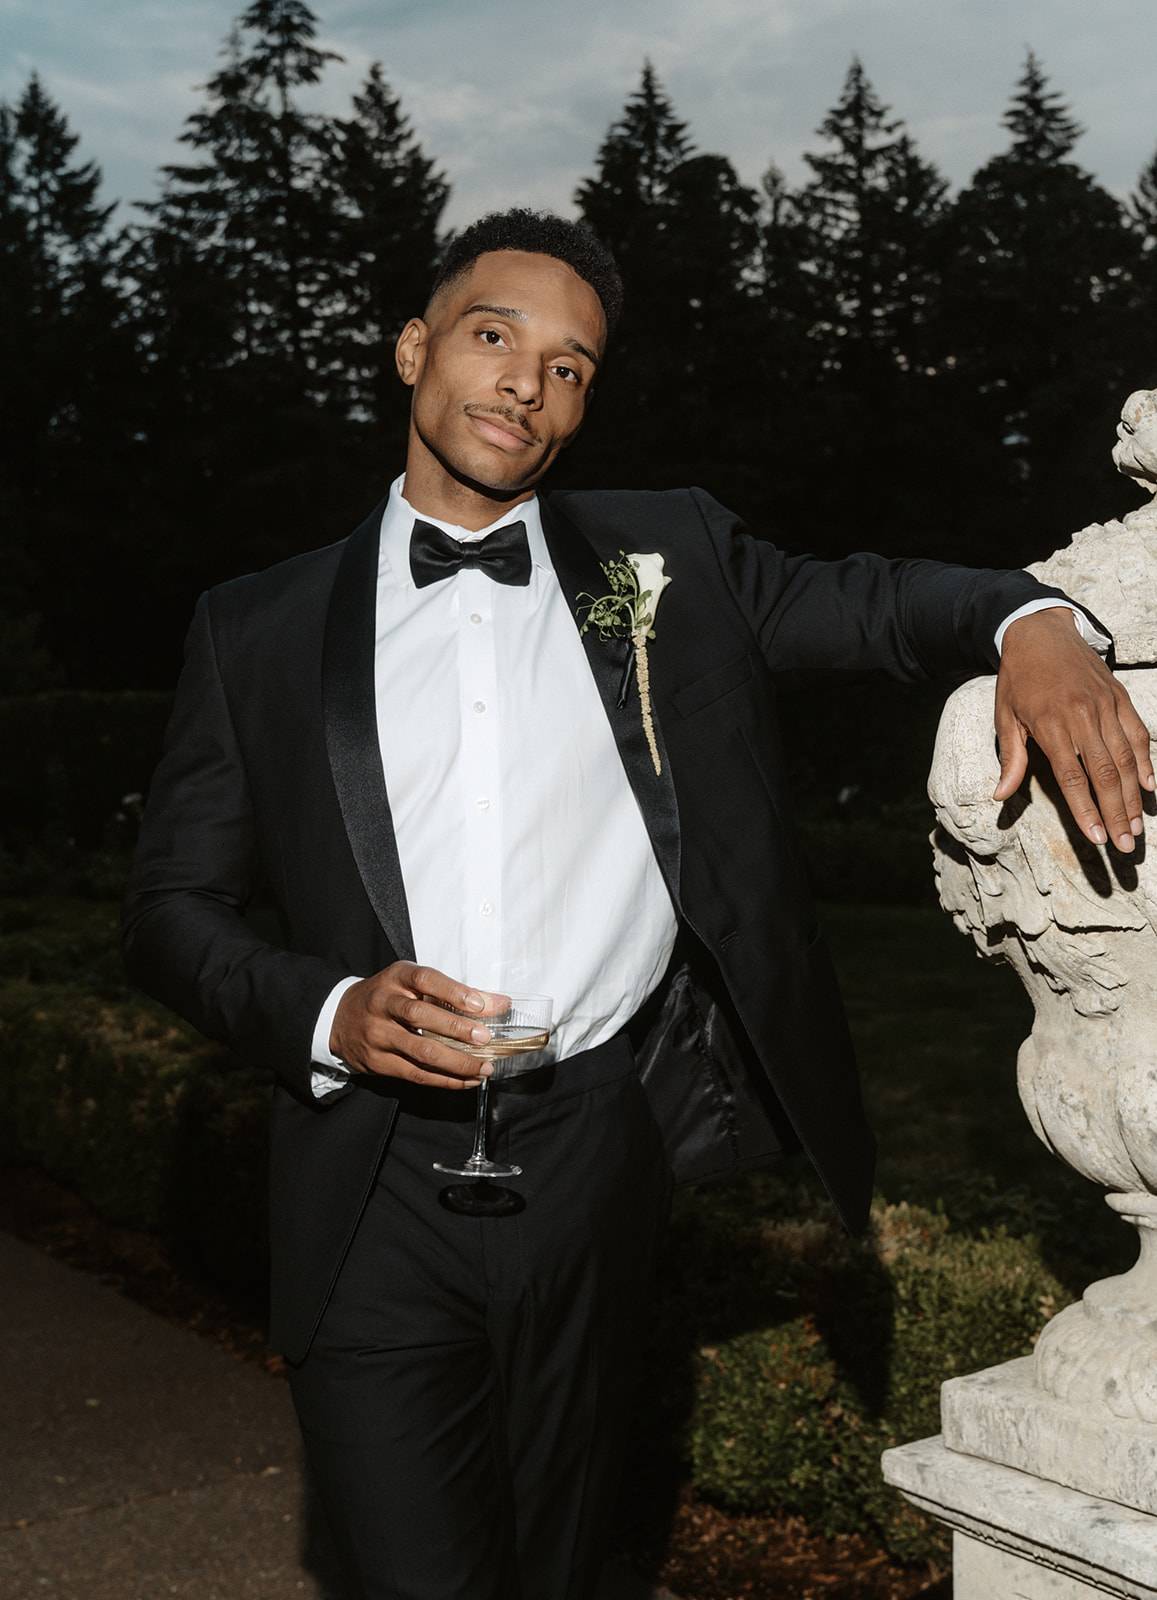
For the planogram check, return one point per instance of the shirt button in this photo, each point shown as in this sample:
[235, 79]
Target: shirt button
[480, 706]
[486, 908]
[482, 803]
[476, 616]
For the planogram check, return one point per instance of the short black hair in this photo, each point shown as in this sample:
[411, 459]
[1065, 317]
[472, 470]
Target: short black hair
[540, 233]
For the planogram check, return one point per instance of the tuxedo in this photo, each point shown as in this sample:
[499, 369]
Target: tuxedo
[268, 869]
[271, 792]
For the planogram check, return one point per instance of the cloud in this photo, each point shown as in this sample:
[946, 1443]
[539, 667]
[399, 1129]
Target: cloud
[512, 101]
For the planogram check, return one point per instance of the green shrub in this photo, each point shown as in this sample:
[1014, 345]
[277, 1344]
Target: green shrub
[155, 1127]
[792, 1411]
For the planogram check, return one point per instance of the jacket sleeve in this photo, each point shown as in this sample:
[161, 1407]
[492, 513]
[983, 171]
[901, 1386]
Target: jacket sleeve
[185, 937]
[912, 619]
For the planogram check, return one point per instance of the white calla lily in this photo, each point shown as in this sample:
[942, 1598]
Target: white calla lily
[648, 567]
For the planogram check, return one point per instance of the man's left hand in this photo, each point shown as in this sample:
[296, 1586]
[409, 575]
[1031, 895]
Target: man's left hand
[1056, 690]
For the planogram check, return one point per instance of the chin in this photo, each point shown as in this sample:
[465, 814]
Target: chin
[481, 470]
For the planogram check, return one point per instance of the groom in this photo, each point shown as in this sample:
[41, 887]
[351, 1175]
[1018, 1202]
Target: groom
[401, 749]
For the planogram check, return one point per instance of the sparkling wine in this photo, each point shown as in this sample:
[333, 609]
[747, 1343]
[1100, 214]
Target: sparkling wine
[509, 1039]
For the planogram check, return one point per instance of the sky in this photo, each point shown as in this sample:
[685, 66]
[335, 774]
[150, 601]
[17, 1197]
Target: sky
[512, 98]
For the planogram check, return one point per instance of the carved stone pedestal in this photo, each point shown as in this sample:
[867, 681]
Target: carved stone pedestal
[1047, 1467]
[1018, 1537]
[1004, 1416]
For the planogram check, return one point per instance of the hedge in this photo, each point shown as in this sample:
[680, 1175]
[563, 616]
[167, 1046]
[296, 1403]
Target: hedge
[786, 1356]
[840, 1353]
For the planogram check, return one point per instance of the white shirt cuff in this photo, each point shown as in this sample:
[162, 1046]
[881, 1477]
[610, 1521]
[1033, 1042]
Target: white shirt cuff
[1092, 636]
[330, 1072]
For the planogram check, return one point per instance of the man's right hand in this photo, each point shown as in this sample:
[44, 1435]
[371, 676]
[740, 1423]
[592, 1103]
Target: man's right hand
[377, 1026]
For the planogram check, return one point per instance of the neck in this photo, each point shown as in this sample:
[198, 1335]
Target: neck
[435, 492]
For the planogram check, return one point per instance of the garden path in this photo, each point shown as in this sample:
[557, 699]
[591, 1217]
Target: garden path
[138, 1461]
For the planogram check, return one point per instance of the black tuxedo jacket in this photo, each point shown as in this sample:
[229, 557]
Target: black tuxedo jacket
[271, 791]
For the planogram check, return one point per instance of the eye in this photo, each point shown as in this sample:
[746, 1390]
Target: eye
[569, 374]
[492, 337]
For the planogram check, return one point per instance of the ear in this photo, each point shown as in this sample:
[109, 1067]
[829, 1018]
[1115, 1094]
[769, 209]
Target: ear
[410, 351]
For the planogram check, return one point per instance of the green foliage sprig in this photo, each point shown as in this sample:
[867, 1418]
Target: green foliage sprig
[620, 614]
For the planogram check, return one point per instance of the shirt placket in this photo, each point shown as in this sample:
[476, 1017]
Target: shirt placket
[480, 713]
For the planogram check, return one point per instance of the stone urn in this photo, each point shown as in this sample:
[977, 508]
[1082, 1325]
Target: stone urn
[1079, 925]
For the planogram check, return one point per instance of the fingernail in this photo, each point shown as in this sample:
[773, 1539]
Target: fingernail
[1124, 841]
[480, 1035]
[1137, 826]
[486, 1070]
[475, 1002]
[1097, 834]
[1150, 781]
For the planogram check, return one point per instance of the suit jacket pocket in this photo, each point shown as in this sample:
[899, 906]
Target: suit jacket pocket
[712, 685]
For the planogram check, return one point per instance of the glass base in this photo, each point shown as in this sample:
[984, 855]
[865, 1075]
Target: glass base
[479, 1167]
[481, 1200]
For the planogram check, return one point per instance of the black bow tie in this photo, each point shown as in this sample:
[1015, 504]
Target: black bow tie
[503, 555]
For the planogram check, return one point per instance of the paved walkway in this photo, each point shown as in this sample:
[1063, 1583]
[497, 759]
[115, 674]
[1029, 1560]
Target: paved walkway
[138, 1461]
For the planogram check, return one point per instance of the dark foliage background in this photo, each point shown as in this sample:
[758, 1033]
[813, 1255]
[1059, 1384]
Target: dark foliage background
[206, 386]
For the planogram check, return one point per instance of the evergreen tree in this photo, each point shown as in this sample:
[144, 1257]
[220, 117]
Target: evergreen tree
[869, 216]
[624, 202]
[255, 209]
[1143, 318]
[1143, 204]
[685, 233]
[855, 253]
[388, 202]
[1034, 324]
[69, 369]
[1038, 119]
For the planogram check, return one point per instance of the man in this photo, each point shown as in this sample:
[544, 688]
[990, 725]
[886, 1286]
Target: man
[404, 746]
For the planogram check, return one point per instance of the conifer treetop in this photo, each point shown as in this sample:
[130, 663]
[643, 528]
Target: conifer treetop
[1039, 120]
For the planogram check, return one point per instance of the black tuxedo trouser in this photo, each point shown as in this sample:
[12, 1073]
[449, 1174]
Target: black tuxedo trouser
[465, 1402]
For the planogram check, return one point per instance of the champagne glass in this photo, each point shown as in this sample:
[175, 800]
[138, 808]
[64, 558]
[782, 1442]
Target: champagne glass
[522, 1029]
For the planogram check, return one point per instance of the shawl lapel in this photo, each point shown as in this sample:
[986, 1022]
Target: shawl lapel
[351, 731]
[576, 565]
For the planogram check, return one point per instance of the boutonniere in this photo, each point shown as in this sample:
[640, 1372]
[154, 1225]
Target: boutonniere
[637, 581]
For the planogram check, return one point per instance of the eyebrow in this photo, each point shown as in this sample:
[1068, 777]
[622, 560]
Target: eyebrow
[513, 314]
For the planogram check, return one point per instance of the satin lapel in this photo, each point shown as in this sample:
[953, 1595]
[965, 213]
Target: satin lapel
[576, 565]
[351, 732]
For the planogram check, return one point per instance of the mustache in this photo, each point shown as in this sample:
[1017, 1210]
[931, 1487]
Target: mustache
[506, 414]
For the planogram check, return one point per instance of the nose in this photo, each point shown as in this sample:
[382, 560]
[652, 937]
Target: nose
[521, 382]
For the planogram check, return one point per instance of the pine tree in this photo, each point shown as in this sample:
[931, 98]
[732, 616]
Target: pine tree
[69, 370]
[1143, 319]
[254, 209]
[1034, 320]
[685, 233]
[869, 214]
[1038, 119]
[633, 165]
[388, 201]
[855, 257]
[1143, 204]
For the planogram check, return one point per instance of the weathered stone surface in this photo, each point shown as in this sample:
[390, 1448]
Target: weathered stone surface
[1004, 1415]
[1112, 567]
[1047, 1468]
[1039, 1534]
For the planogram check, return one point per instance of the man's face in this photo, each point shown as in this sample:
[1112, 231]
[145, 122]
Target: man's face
[502, 367]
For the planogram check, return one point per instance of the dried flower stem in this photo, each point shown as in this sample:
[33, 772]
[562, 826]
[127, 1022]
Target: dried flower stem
[642, 667]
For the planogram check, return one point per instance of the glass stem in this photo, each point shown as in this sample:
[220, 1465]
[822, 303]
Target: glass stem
[481, 1123]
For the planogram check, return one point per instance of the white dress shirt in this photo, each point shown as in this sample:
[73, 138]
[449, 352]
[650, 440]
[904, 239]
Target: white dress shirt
[525, 859]
[526, 863]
